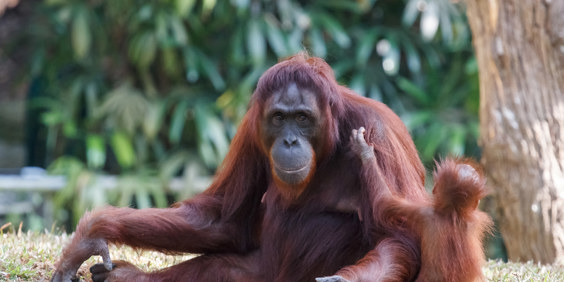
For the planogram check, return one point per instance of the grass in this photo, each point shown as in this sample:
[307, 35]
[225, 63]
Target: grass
[501, 271]
[31, 257]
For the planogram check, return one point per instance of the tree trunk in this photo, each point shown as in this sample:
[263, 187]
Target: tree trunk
[520, 51]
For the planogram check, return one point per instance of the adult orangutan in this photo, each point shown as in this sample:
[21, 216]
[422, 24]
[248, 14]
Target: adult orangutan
[295, 198]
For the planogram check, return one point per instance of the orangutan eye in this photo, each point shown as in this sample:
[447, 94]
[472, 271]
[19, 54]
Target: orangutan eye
[277, 118]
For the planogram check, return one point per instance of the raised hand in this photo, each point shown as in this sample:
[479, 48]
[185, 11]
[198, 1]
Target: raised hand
[359, 146]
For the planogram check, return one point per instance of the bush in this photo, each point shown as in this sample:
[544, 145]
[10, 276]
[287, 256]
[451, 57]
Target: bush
[156, 88]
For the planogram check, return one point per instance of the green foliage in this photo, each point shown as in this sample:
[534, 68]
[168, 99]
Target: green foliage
[445, 110]
[129, 86]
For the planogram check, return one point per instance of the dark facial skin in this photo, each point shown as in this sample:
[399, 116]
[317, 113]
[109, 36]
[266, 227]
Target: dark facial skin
[291, 128]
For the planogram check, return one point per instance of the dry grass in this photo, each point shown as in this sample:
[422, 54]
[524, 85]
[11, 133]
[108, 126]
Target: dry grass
[501, 271]
[31, 257]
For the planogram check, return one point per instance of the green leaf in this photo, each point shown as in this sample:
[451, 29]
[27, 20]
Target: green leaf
[413, 90]
[210, 69]
[255, 42]
[95, 151]
[69, 128]
[66, 165]
[237, 50]
[55, 2]
[295, 39]
[457, 140]
[178, 31]
[375, 93]
[81, 34]
[216, 134]
[413, 59]
[208, 6]
[391, 60]
[446, 27]
[249, 81]
[365, 48]
[432, 57]
[184, 7]
[51, 118]
[125, 106]
[417, 119]
[126, 188]
[145, 12]
[143, 49]
[64, 14]
[430, 20]
[206, 152]
[276, 38]
[318, 43]
[157, 193]
[123, 149]
[241, 4]
[170, 62]
[410, 13]
[343, 66]
[91, 98]
[334, 28]
[142, 199]
[147, 50]
[153, 120]
[174, 164]
[357, 84]
[161, 29]
[191, 63]
[177, 122]
[433, 138]
[210, 132]
[471, 66]
[339, 5]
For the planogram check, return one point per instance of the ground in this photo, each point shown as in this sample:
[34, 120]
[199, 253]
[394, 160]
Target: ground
[31, 257]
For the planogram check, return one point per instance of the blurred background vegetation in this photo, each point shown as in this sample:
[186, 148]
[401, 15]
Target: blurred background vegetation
[151, 91]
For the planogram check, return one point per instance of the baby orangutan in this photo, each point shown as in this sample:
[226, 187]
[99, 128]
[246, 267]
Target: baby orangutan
[451, 227]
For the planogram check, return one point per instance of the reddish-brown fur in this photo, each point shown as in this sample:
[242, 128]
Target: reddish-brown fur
[249, 228]
[450, 227]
